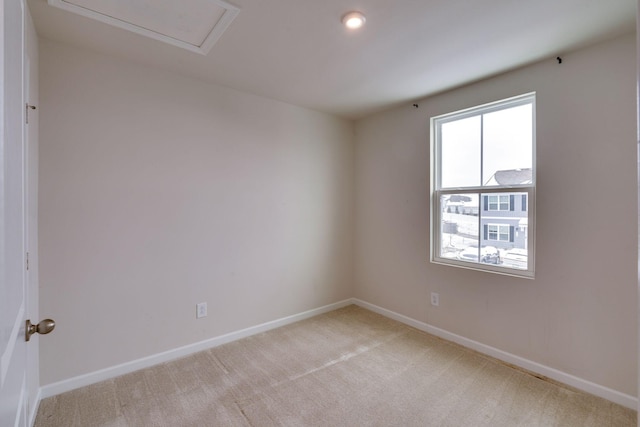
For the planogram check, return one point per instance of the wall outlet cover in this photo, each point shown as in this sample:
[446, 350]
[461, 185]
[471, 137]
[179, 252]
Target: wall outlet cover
[435, 299]
[201, 310]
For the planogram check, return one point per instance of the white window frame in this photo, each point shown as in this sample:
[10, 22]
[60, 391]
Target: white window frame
[437, 192]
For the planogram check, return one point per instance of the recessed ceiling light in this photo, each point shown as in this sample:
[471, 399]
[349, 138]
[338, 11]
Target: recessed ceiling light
[353, 20]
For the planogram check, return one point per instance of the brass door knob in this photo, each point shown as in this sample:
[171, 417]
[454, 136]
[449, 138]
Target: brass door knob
[44, 327]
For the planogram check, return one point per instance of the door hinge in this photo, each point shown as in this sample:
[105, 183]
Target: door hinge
[27, 108]
[27, 261]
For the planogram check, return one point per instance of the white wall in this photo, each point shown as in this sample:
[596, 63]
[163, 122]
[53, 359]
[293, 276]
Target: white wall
[579, 314]
[158, 192]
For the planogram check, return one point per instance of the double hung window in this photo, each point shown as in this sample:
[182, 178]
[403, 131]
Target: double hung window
[483, 187]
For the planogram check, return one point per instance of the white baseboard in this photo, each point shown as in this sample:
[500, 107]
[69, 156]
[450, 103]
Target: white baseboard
[626, 400]
[35, 402]
[125, 368]
[146, 362]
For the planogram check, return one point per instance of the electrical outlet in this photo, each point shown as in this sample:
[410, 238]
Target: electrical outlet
[201, 310]
[435, 299]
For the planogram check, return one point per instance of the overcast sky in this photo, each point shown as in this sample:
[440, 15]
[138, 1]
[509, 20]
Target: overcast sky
[507, 144]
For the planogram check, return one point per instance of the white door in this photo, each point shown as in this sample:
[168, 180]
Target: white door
[13, 302]
[31, 229]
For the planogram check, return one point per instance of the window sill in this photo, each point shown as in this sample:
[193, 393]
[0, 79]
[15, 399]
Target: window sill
[487, 268]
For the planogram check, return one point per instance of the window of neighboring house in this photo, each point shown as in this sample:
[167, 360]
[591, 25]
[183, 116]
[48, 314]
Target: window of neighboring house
[483, 159]
[499, 203]
[503, 233]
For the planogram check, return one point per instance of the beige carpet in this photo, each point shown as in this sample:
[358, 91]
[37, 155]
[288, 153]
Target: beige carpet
[350, 367]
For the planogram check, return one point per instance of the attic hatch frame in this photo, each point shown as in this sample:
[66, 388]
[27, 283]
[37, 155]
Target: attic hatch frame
[217, 29]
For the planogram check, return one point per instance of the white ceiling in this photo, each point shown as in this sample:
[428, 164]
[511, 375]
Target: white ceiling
[297, 51]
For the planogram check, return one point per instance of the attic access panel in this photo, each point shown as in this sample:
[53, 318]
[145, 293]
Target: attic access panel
[194, 25]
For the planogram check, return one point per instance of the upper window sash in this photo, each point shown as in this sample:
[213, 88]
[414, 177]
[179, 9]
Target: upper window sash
[439, 121]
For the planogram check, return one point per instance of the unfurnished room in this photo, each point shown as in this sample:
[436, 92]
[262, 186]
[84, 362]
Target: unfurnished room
[319, 213]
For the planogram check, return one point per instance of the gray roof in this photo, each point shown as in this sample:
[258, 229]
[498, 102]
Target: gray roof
[514, 176]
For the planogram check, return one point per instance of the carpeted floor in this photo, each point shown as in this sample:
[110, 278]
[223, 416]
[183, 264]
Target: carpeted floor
[349, 367]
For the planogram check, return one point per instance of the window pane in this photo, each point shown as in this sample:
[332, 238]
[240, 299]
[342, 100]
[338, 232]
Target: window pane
[493, 232]
[504, 203]
[459, 226]
[508, 146]
[460, 153]
[493, 203]
[504, 233]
